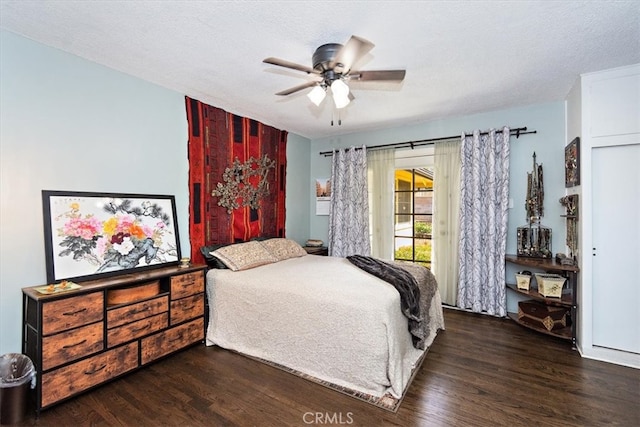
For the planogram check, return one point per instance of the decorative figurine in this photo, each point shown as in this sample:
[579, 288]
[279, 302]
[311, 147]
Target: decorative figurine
[534, 239]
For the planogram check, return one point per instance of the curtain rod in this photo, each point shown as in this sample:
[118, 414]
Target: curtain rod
[412, 144]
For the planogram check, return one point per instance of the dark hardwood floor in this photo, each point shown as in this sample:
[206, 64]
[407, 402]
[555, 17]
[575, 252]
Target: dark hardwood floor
[481, 371]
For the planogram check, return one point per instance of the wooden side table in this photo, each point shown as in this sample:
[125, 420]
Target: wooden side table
[317, 250]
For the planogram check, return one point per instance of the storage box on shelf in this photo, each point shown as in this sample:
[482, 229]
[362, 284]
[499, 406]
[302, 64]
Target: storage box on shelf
[542, 315]
[81, 338]
[552, 295]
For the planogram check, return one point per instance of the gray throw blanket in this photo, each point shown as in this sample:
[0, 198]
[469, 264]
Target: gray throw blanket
[416, 285]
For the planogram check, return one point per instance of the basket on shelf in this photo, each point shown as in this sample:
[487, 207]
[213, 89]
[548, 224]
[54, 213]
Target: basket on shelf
[550, 285]
[523, 280]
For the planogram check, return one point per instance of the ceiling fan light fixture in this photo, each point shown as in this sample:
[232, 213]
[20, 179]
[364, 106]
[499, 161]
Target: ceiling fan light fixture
[317, 94]
[340, 92]
[332, 67]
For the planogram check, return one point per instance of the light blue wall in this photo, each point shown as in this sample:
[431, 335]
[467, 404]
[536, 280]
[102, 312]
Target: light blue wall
[548, 143]
[70, 124]
[298, 183]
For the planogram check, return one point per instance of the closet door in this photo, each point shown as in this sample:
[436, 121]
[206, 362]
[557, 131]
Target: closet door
[616, 254]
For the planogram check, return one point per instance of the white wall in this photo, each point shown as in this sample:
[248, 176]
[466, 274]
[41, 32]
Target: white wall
[70, 124]
[603, 110]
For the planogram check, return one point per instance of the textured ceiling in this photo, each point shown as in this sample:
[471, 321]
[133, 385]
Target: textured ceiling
[461, 57]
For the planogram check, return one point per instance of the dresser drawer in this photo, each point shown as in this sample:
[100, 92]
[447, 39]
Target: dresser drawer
[71, 345]
[137, 329]
[187, 308]
[171, 340]
[72, 312]
[131, 313]
[130, 294]
[187, 284]
[72, 379]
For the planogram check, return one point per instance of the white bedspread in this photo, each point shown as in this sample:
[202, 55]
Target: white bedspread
[321, 316]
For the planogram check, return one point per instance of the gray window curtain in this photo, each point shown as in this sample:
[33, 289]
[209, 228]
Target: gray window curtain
[446, 214]
[381, 166]
[349, 208]
[484, 194]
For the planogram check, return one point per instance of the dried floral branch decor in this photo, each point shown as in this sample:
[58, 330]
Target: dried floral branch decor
[244, 183]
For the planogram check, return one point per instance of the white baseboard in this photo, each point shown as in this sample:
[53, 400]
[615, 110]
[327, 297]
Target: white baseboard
[609, 355]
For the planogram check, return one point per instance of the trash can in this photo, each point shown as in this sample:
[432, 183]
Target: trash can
[17, 375]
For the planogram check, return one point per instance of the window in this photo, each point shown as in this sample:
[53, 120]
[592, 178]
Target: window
[413, 211]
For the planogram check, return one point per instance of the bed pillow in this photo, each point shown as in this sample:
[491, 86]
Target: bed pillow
[283, 249]
[213, 262]
[243, 256]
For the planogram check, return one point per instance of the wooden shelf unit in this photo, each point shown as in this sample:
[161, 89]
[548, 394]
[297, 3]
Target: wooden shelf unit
[568, 298]
[77, 340]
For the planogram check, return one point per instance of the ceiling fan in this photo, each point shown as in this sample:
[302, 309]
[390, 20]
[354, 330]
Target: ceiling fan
[331, 69]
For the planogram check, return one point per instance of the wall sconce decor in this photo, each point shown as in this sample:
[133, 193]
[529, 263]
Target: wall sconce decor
[570, 204]
[572, 163]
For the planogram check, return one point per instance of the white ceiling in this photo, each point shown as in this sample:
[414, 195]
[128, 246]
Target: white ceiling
[461, 57]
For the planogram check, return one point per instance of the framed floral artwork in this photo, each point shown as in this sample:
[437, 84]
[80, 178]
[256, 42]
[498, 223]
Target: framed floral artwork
[572, 163]
[90, 235]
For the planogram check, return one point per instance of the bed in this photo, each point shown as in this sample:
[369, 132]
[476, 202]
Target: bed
[321, 316]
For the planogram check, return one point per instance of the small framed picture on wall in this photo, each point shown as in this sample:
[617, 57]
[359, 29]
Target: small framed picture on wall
[323, 196]
[572, 163]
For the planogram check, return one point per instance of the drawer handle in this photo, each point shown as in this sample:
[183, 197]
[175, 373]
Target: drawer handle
[148, 325]
[74, 345]
[95, 370]
[73, 313]
[191, 307]
[142, 310]
[178, 338]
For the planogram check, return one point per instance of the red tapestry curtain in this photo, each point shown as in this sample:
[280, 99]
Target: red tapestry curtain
[216, 139]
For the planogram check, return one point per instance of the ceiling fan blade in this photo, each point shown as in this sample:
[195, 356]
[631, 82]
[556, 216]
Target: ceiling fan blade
[351, 52]
[381, 75]
[287, 64]
[297, 88]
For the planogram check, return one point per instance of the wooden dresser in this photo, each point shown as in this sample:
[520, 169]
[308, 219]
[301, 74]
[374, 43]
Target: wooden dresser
[81, 338]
